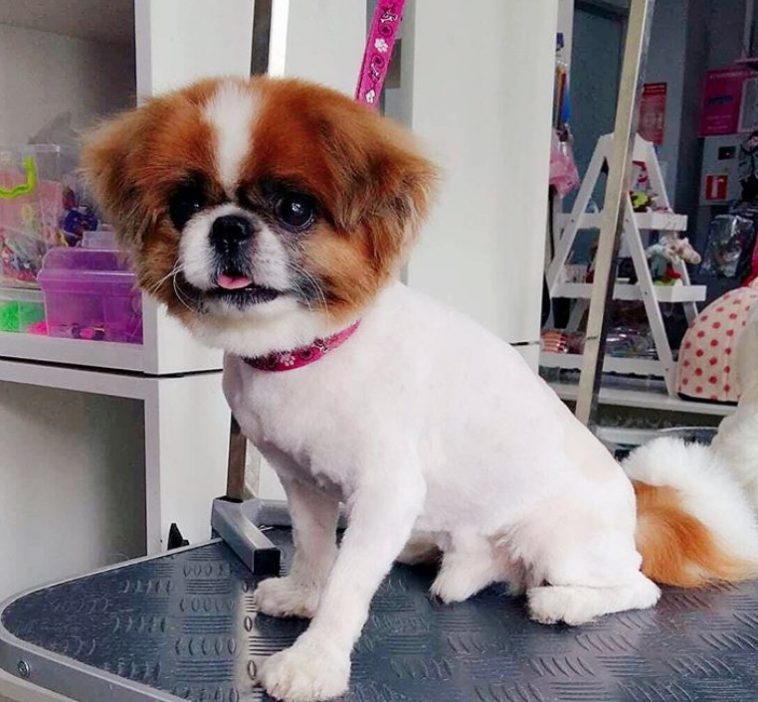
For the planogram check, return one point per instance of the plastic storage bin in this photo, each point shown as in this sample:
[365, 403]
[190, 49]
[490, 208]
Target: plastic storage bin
[31, 207]
[42, 205]
[20, 309]
[103, 239]
[91, 294]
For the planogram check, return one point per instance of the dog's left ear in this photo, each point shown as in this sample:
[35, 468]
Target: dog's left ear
[108, 156]
[388, 183]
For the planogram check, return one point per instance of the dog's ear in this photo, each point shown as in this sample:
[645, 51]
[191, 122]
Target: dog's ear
[387, 183]
[109, 153]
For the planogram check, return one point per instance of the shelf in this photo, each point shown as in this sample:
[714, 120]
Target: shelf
[79, 379]
[169, 349]
[93, 20]
[659, 221]
[73, 352]
[612, 364]
[626, 291]
[645, 396]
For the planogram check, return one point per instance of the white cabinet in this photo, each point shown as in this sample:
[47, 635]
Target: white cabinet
[160, 411]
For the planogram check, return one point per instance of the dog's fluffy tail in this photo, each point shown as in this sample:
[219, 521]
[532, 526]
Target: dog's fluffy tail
[695, 525]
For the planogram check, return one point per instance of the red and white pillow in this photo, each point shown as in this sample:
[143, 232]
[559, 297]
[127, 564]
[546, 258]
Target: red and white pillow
[707, 367]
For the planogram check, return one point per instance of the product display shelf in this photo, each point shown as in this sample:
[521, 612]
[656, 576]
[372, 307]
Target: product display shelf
[628, 291]
[644, 394]
[660, 221]
[645, 290]
[611, 364]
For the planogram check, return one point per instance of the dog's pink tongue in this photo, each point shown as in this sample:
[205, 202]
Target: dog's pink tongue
[233, 282]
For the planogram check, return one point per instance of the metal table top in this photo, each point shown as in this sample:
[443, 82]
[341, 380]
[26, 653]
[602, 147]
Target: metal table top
[183, 626]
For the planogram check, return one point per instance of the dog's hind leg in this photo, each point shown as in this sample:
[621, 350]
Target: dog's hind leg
[576, 604]
[469, 565]
[421, 548]
[583, 567]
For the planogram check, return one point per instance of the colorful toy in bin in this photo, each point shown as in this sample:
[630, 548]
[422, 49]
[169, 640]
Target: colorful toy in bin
[77, 221]
[91, 294]
[40, 207]
[30, 207]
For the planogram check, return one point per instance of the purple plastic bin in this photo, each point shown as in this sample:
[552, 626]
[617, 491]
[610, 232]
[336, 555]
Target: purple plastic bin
[91, 294]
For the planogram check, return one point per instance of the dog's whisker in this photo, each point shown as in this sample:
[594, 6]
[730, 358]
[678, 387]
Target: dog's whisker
[316, 285]
[301, 295]
[178, 268]
[182, 297]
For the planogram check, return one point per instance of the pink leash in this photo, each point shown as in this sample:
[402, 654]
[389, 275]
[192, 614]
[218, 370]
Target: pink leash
[378, 52]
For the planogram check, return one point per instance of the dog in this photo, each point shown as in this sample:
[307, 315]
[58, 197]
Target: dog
[272, 216]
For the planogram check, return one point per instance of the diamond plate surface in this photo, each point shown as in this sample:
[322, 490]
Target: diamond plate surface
[186, 624]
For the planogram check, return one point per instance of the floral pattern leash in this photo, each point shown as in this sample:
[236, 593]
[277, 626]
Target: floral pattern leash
[378, 52]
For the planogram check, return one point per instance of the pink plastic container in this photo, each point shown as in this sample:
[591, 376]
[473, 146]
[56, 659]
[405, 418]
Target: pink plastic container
[91, 294]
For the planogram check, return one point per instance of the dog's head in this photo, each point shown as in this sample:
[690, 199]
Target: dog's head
[262, 212]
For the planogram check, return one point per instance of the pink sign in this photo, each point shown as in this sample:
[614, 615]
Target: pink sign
[653, 112]
[722, 97]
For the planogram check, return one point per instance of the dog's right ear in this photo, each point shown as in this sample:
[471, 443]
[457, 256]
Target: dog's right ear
[109, 154]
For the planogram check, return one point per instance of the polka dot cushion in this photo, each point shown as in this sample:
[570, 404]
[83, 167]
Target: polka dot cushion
[707, 368]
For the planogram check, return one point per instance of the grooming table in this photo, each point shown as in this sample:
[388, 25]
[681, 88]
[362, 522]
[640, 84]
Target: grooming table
[183, 627]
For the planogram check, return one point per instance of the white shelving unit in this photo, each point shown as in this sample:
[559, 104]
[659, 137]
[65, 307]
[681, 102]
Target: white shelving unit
[87, 59]
[72, 352]
[625, 291]
[651, 295]
[648, 398]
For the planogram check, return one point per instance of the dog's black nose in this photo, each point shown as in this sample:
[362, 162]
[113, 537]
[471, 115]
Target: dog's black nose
[229, 231]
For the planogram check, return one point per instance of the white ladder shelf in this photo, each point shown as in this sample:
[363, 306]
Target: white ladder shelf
[644, 290]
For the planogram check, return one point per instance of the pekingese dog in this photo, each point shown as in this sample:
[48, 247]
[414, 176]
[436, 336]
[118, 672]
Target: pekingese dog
[271, 217]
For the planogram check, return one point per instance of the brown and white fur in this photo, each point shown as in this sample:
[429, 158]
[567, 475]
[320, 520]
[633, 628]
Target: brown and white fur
[270, 213]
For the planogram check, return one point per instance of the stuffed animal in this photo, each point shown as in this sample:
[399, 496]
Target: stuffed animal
[664, 256]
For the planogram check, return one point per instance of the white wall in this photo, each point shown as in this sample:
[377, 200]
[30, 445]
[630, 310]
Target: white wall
[482, 83]
[43, 75]
[666, 62]
[318, 40]
[566, 26]
[180, 41]
[71, 484]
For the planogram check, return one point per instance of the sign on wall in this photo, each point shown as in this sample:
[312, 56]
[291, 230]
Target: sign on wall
[749, 107]
[653, 112]
[722, 98]
[716, 187]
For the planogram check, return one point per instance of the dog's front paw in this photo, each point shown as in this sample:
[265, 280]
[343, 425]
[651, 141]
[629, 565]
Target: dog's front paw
[286, 597]
[309, 671]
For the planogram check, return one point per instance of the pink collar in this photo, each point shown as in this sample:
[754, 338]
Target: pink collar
[297, 358]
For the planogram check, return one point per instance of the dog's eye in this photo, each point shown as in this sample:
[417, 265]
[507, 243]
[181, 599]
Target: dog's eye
[186, 202]
[295, 211]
